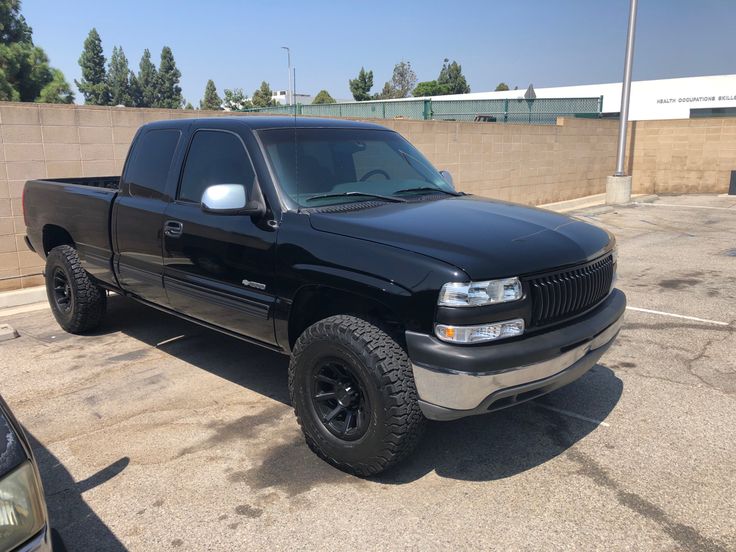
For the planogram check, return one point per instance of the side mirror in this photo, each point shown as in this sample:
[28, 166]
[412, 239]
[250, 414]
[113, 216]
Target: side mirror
[448, 178]
[230, 199]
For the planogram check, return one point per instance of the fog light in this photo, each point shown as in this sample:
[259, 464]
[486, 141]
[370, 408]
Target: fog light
[479, 333]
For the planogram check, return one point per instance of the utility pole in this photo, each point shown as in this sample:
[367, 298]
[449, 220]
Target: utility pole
[290, 93]
[618, 186]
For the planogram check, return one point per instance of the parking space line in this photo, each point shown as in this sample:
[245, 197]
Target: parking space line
[170, 340]
[705, 320]
[684, 206]
[572, 414]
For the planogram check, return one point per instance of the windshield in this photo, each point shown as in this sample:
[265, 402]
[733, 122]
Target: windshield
[327, 166]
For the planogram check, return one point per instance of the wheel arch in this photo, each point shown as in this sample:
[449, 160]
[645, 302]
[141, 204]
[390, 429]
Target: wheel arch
[54, 236]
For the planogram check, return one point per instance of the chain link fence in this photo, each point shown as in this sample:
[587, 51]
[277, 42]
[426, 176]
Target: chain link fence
[543, 111]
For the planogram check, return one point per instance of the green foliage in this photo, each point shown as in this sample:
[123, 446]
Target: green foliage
[502, 87]
[401, 84]
[57, 91]
[323, 97]
[361, 86]
[168, 89]
[146, 82]
[431, 88]
[93, 85]
[118, 79]
[235, 100]
[25, 74]
[263, 96]
[451, 75]
[211, 100]
[189, 106]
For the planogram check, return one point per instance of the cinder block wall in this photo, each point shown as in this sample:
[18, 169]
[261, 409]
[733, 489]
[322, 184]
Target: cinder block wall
[524, 163]
[682, 156]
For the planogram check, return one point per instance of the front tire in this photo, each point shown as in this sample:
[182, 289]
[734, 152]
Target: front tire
[354, 396]
[77, 302]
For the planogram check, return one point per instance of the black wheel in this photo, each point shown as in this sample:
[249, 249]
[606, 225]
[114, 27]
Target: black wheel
[77, 302]
[354, 396]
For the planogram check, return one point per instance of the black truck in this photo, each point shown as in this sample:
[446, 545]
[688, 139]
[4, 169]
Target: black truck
[398, 298]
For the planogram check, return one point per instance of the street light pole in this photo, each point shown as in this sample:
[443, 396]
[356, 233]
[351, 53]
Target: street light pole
[626, 91]
[290, 93]
[618, 186]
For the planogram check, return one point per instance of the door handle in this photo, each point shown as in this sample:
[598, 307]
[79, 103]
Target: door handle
[173, 228]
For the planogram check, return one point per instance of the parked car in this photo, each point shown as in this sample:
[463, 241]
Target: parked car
[335, 242]
[24, 525]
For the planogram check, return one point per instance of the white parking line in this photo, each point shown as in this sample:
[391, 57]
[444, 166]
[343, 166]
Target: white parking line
[684, 206]
[705, 320]
[572, 414]
[170, 340]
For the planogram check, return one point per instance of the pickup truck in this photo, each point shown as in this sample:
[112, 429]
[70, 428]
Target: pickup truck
[398, 298]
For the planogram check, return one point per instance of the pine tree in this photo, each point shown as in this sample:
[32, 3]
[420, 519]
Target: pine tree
[169, 92]
[57, 91]
[361, 86]
[147, 81]
[211, 100]
[118, 79]
[263, 97]
[452, 76]
[323, 97]
[93, 85]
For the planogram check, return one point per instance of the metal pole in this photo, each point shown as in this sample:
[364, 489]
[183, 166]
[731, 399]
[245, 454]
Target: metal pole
[290, 93]
[626, 90]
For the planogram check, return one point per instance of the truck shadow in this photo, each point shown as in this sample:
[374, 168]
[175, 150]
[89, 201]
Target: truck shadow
[481, 448]
[69, 515]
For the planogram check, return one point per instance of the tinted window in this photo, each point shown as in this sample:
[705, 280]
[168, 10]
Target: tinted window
[215, 158]
[150, 161]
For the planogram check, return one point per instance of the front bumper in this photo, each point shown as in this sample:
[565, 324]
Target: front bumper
[455, 381]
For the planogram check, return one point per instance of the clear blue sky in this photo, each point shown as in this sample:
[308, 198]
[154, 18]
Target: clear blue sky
[547, 43]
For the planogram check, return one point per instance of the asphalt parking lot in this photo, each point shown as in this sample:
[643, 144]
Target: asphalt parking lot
[156, 434]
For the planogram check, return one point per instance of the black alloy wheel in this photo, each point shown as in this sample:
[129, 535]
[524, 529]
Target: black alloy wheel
[339, 399]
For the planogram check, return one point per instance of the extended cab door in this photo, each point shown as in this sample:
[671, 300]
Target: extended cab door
[219, 268]
[138, 213]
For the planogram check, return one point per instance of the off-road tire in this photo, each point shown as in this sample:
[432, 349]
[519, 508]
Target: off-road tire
[396, 421]
[88, 300]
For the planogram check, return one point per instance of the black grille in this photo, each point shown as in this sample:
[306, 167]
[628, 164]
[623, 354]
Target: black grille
[565, 293]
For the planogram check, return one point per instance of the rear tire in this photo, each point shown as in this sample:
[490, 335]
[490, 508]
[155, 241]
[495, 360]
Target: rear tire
[354, 396]
[77, 302]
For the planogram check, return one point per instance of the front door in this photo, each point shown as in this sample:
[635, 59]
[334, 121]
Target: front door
[219, 268]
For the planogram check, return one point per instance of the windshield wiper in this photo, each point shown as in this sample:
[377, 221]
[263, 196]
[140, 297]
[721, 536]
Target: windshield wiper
[427, 189]
[365, 194]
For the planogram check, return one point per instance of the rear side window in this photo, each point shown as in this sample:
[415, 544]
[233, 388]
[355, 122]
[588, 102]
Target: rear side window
[215, 158]
[149, 162]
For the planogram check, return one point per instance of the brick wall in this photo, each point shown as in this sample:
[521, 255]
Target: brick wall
[523, 163]
[682, 156]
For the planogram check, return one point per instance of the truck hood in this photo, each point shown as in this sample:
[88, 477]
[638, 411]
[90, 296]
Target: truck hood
[484, 238]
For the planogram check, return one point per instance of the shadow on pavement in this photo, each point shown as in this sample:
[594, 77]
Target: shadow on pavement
[480, 448]
[69, 514]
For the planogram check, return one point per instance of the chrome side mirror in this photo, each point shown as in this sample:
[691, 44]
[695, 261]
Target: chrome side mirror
[447, 178]
[229, 199]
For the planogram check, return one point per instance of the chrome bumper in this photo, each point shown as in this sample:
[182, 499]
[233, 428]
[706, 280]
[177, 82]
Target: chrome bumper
[450, 394]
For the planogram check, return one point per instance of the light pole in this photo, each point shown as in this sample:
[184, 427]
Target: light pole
[618, 186]
[290, 93]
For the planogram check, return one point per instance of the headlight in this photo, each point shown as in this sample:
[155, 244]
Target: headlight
[479, 333]
[21, 507]
[475, 294]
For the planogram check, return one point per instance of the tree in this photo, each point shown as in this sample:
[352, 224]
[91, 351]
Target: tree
[57, 91]
[323, 97]
[451, 74]
[502, 87]
[189, 106]
[401, 84]
[211, 100]
[361, 86]
[168, 90]
[235, 100]
[25, 73]
[263, 97]
[93, 84]
[147, 81]
[431, 88]
[118, 79]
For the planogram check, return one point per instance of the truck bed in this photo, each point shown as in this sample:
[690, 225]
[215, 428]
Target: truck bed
[78, 207]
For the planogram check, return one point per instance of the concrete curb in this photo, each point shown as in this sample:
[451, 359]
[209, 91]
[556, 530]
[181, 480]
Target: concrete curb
[597, 200]
[20, 297]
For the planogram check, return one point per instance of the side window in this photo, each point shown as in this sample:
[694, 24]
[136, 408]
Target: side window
[215, 158]
[149, 162]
